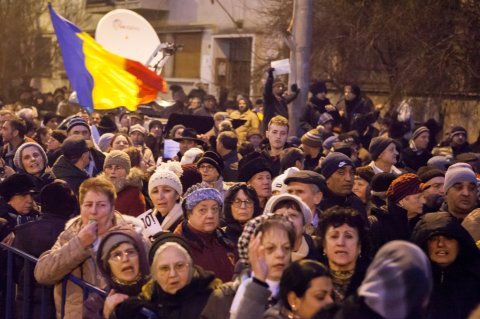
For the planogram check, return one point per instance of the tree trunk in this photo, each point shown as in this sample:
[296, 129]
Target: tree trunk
[300, 58]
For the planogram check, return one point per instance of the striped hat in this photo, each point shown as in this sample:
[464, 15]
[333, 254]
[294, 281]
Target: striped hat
[418, 131]
[402, 186]
[312, 138]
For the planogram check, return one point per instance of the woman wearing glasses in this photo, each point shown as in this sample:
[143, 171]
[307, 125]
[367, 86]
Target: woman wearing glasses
[122, 260]
[241, 205]
[202, 206]
[74, 251]
[178, 288]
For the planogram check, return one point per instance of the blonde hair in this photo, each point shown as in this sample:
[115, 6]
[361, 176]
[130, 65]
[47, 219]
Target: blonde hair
[99, 185]
[279, 120]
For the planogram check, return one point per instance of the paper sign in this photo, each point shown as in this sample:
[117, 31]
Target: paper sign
[151, 226]
[170, 148]
[281, 66]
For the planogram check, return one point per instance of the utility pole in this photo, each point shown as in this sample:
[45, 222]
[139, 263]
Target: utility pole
[300, 44]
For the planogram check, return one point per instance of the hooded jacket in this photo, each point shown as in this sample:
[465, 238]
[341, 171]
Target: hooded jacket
[456, 289]
[397, 285]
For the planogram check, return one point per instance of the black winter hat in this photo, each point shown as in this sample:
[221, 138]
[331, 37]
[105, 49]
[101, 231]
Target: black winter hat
[167, 237]
[381, 181]
[212, 158]
[17, 184]
[107, 125]
[57, 198]
[318, 87]
[333, 162]
[252, 164]
[378, 145]
[49, 116]
[457, 130]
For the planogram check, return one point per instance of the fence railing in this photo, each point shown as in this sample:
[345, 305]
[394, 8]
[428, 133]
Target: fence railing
[28, 264]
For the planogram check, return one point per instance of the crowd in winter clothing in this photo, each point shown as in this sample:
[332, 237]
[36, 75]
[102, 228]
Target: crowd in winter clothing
[217, 210]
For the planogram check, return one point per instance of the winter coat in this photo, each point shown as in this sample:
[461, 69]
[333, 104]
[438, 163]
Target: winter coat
[63, 169]
[69, 256]
[213, 252]
[98, 159]
[386, 224]
[456, 288]
[397, 285]
[415, 159]
[130, 200]
[35, 238]
[313, 109]
[93, 306]
[252, 121]
[330, 199]
[356, 112]
[220, 301]
[230, 171]
[187, 303]
[11, 219]
[53, 156]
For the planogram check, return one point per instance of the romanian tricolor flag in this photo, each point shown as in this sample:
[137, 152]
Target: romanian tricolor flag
[103, 80]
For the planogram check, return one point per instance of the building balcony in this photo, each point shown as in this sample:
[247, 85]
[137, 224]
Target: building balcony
[103, 6]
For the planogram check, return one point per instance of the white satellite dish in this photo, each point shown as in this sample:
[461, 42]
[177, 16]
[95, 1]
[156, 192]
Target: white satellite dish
[128, 34]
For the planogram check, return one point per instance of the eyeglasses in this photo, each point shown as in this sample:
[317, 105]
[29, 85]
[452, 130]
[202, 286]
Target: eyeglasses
[238, 203]
[164, 270]
[118, 256]
[206, 167]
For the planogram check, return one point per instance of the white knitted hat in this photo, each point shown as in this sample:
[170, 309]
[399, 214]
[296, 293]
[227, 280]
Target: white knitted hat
[165, 177]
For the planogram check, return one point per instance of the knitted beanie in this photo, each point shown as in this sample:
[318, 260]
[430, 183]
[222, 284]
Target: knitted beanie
[440, 162]
[112, 242]
[312, 138]
[333, 162]
[381, 181]
[74, 121]
[418, 131]
[458, 173]
[165, 177]
[213, 159]
[104, 141]
[119, 158]
[457, 130]
[378, 145]
[17, 159]
[328, 143]
[402, 186]
[324, 118]
[198, 193]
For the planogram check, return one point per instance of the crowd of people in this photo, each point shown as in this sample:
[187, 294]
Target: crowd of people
[353, 216]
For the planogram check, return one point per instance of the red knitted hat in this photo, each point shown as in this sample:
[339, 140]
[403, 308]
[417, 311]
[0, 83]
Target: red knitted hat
[404, 185]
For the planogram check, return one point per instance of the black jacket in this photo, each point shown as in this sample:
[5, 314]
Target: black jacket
[386, 224]
[187, 303]
[415, 159]
[68, 172]
[456, 288]
[230, 171]
[314, 108]
[273, 105]
[330, 199]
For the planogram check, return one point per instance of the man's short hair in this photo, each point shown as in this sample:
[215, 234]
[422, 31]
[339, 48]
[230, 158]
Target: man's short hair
[228, 139]
[18, 124]
[278, 120]
[289, 156]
